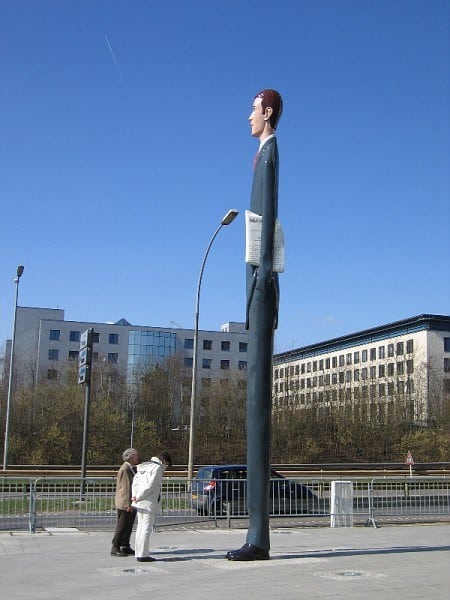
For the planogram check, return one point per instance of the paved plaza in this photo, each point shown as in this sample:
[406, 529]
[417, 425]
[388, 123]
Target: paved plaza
[395, 562]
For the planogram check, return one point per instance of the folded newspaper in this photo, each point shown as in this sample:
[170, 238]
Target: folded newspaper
[253, 226]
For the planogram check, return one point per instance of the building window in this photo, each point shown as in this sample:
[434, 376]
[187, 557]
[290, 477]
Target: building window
[399, 348]
[381, 390]
[381, 352]
[410, 366]
[225, 346]
[334, 362]
[308, 367]
[189, 343]
[73, 354]
[356, 375]
[314, 366]
[381, 370]
[225, 364]
[242, 365]
[188, 361]
[341, 360]
[74, 336]
[364, 373]
[207, 344]
[95, 337]
[95, 357]
[400, 368]
[242, 346]
[113, 357]
[52, 374]
[113, 338]
[409, 346]
[390, 370]
[356, 357]
[55, 335]
[447, 344]
[327, 363]
[53, 354]
[390, 350]
[373, 372]
[206, 363]
[348, 359]
[364, 356]
[373, 354]
[334, 378]
[446, 365]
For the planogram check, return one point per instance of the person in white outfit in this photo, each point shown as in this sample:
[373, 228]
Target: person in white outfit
[146, 498]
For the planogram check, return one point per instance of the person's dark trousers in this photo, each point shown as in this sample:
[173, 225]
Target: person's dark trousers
[124, 527]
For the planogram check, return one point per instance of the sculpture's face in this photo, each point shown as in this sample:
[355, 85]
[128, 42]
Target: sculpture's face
[256, 118]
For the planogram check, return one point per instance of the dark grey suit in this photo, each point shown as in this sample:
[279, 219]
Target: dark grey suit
[262, 316]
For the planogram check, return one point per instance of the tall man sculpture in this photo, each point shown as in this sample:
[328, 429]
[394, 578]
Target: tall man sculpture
[262, 315]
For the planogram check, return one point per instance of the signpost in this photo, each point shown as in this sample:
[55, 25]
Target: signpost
[409, 461]
[84, 376]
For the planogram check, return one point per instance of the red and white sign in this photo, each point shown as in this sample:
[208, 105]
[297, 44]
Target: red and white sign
[409, 459]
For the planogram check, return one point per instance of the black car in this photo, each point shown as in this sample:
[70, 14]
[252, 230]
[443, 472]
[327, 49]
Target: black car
[222, 489]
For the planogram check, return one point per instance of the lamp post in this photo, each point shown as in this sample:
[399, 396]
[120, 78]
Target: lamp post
[11, 371]
[227, 219]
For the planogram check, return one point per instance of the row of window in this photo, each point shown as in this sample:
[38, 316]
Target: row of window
[356, 357]
[382, 371]
[225, 345]
[74, 336]
[113, 338]
[207, 364]
[381, 390]
[53, 354]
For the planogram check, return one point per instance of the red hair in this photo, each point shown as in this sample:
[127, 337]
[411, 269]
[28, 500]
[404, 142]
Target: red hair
[273, 99]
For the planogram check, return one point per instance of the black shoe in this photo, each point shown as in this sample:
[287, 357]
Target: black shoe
[117, 552]
[127, 550]
[248, 552]
[146, 559]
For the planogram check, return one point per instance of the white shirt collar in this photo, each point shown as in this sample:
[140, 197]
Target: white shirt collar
[266, 140]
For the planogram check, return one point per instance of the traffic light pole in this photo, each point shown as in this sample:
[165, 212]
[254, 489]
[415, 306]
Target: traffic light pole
[84, 376]
[87, 401]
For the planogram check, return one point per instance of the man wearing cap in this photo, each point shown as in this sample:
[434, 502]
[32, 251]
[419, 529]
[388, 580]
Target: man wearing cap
[146, 497]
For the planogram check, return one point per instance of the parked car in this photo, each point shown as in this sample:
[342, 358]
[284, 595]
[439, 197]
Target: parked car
[222, 488]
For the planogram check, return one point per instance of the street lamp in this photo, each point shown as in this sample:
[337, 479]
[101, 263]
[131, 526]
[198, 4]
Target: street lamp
[11, 371]
[227, 219]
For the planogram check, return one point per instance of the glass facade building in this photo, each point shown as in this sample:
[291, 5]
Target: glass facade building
[149, 348]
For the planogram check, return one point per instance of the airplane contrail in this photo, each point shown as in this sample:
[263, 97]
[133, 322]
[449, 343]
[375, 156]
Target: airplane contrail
[112, 55]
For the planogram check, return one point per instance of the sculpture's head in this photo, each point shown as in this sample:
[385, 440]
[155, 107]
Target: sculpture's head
[273, 100]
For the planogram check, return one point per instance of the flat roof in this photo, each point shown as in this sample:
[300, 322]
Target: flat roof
[418, 323]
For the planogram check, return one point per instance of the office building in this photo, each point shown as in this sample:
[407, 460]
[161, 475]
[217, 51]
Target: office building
[406, 361]
[46, 344]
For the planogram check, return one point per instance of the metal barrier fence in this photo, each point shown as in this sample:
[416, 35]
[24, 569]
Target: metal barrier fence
[33, 504]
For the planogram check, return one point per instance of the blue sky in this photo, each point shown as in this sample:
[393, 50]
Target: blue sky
[124, 140]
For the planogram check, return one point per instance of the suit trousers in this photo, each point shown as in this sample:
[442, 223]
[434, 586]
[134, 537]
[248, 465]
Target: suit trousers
[124, 527]
[262, 315]
[146, 520]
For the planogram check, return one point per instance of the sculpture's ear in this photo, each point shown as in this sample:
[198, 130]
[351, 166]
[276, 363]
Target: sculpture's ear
[268, 113]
